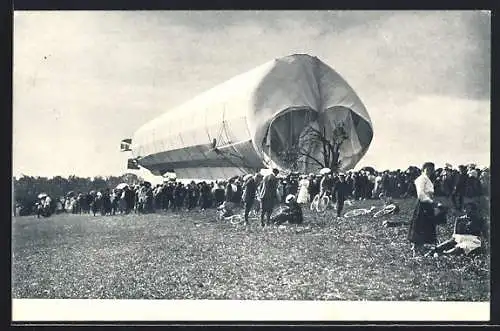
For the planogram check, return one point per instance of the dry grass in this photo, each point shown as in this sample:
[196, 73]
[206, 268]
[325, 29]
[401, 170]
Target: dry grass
[190, 256]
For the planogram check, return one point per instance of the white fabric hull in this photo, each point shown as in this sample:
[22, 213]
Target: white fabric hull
[241, 111]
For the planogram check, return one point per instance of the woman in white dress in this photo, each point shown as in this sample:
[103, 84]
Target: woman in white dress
[303, 196]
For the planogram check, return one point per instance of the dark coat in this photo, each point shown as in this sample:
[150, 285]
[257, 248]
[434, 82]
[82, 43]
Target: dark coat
[294, 213]
[470, 224]
[219, 195]
[313, 187]
[268, 193]
[228, 193]
[249, 190]
[326, 184]
[341, 191]
[460, 184]
[291, 213]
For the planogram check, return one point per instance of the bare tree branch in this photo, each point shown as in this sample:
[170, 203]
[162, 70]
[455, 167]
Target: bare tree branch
[329, 149]
[308, 155]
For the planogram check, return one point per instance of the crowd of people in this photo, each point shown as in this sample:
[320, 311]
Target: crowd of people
[465, 181]
[264, 193]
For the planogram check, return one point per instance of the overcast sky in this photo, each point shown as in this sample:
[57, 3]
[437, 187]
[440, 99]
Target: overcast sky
[85, 80]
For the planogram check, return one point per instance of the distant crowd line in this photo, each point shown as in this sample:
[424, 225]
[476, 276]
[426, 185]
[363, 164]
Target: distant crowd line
[368, 183]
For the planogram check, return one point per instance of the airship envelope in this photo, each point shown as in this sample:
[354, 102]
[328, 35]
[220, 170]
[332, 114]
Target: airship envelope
[246, 123]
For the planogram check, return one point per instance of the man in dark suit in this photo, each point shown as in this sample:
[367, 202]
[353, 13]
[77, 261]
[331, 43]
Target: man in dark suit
[459, 187]
[249, 193]
[340, 191]
[268, 196]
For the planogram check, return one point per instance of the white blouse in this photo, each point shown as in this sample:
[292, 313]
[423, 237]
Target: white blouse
[424, 188]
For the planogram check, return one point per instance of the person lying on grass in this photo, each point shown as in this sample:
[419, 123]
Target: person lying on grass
[467, 234]
[291, 213]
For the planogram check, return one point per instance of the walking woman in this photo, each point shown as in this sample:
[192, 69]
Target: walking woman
[303, 196]
[422, 225]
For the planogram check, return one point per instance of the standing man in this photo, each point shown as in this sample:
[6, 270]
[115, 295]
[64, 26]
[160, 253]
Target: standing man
[268, 196]
[326, 185]
[293, 185]
[219, 194]
[422, 225]
[204, 196]
[313, 187]
[249, 192]
[341, 190]
[230, 190]
[459, 188]
[258, 184]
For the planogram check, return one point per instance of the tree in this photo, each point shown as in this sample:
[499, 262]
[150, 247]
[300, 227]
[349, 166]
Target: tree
[98, 183]
[27, 188]
[316, 145]
[131, 179]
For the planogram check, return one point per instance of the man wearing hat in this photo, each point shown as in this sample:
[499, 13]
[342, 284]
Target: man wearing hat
[447, 181]
[459, 187]
[268, 196]
[341, 190]
[313, 187]
[249, 193]
[474, 189]
[326, 185]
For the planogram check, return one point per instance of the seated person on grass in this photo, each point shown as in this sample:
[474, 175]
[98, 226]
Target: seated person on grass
[291, 213]
[225, 209]
[467, 234]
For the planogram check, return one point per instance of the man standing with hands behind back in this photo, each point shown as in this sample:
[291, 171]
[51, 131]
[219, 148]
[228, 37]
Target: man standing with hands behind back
[268, 196]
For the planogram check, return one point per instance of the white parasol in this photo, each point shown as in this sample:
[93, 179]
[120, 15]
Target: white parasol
[325, 171]
[121, 186]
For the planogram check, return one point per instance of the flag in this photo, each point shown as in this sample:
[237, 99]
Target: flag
[132, 164]
[125, 145]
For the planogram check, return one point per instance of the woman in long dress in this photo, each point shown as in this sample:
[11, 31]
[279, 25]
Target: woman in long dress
[423, 222]
[303, 196]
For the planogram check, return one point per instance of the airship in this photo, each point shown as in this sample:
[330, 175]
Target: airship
[249, 122]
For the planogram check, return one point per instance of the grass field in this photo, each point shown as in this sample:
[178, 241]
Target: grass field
[191, 256]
